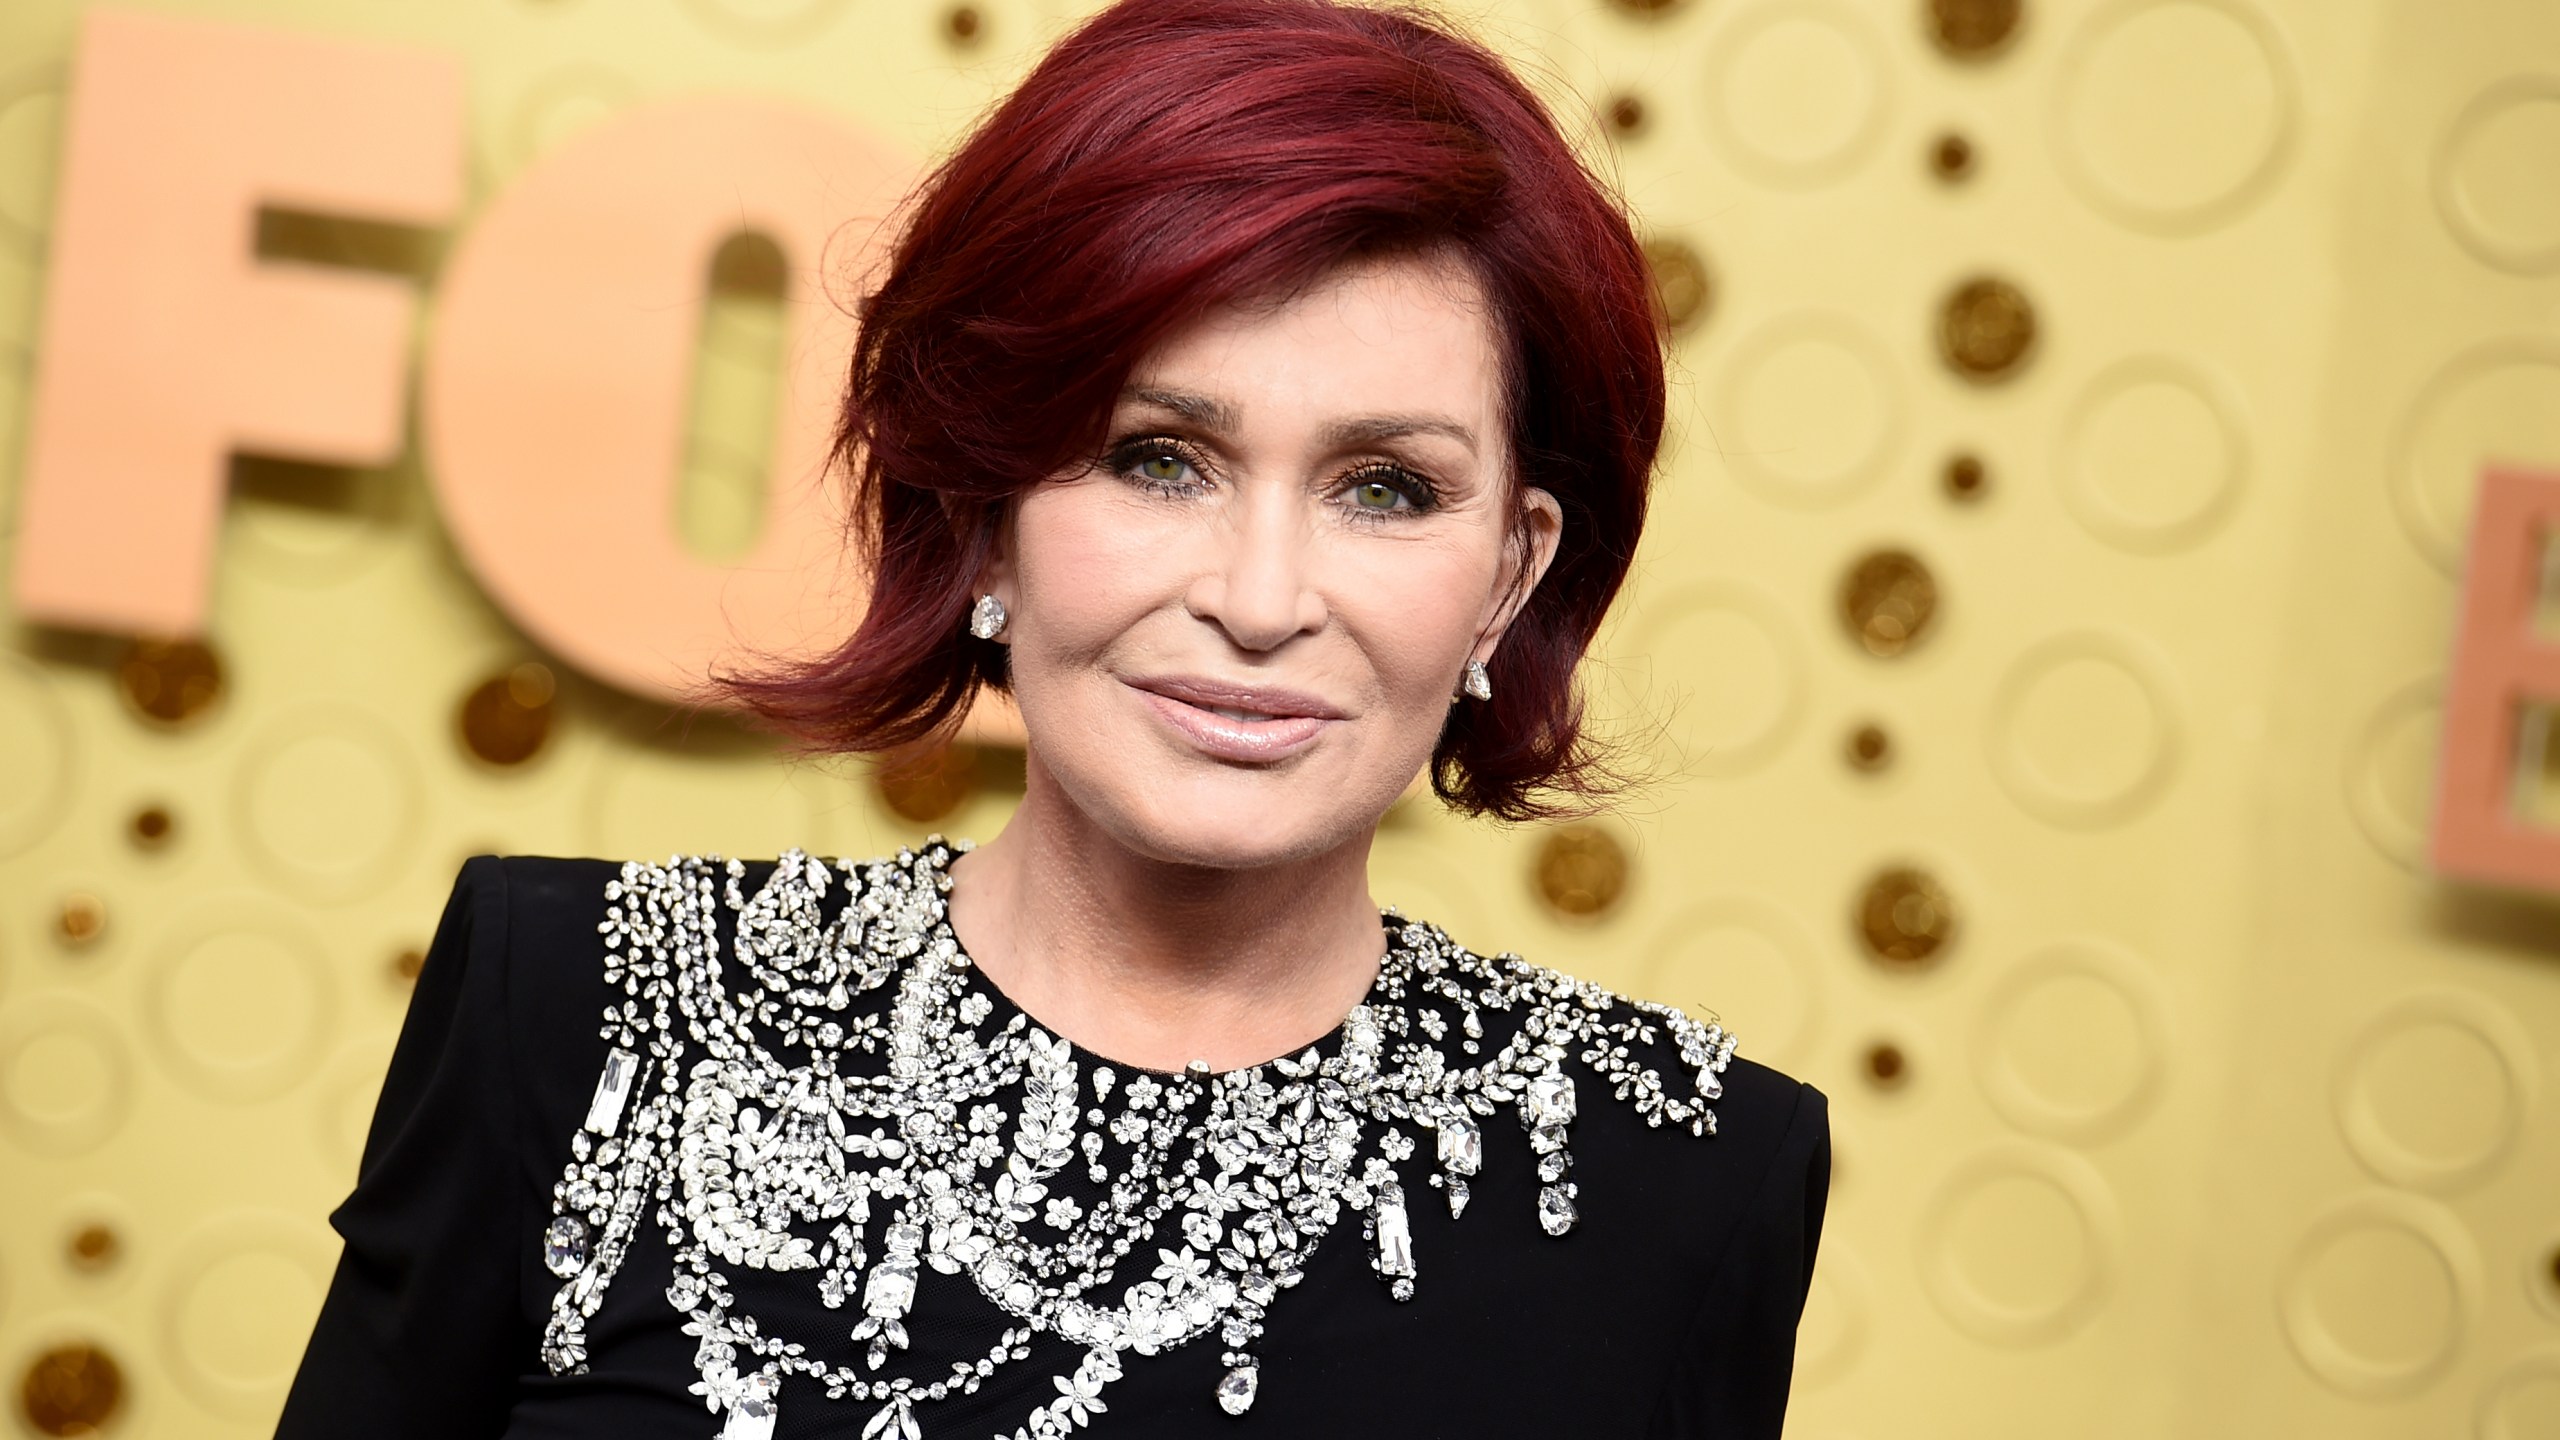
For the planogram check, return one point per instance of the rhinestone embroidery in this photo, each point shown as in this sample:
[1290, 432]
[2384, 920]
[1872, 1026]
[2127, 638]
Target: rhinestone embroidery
[772, 1123]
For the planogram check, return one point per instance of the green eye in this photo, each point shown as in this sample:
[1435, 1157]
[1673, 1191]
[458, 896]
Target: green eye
[1375, 495]
[1167, 468]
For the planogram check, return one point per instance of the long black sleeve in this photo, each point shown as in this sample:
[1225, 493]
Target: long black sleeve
[423, 1330]
[1739, 1355]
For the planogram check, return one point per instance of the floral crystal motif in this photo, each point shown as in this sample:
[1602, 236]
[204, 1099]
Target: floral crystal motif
[773, 1123]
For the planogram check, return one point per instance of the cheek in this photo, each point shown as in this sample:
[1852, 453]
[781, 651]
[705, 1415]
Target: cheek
[1089, 569]
[1415, 610]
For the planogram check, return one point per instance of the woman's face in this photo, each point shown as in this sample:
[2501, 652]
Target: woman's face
[1235, 639]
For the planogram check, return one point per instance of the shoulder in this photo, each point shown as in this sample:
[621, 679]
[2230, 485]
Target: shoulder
[1686, 1124]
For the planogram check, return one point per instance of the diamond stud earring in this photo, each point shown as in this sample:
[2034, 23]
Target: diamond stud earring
[987, 621]
[1478, 685]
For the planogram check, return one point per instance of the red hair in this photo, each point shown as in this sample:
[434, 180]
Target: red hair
[1171, 156]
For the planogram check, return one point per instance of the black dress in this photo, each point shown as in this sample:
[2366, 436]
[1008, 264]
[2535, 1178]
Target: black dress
[1669, 1310]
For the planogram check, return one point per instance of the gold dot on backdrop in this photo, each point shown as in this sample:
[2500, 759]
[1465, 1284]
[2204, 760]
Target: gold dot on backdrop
[94, 1246]
[1905, 919]
[1869, 748]
[81, 920]
[1682, 289]
[1887, 1066]
[1972, 29]
[1626, 116]
[507, 717]
[1580, 871]
[924, 788]
[1887, 600]
[1951, 158]
[152, 827]
[405, 965]
[964, 25]
[1986, 328]
[71, 1390]
[170, 682]
[1966, 478]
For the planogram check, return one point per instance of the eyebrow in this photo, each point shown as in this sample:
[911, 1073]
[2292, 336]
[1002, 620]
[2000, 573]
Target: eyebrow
[1215, 414]
[1198, 409]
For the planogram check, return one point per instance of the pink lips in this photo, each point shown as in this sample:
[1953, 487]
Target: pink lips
[1275, 724]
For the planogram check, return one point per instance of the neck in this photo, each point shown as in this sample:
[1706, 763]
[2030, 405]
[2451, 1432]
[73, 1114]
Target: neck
[1154, 963]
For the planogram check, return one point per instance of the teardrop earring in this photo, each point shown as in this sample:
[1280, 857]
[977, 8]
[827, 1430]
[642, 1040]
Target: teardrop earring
[1478, 685]
[987, 620]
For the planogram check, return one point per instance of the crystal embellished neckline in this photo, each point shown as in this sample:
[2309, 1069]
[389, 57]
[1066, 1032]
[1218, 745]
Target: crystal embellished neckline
[774, 1121]
[976, 981]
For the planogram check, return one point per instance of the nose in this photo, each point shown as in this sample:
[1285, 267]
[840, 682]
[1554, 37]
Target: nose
[1257, 586]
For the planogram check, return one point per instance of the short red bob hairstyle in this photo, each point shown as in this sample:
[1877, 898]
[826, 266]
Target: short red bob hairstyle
[1171, 156]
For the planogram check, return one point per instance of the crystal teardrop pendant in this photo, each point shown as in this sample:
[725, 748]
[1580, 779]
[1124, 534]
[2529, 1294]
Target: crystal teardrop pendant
[1555, 1209]
[564, 1246]
[752, 1414]
[1235, 1392]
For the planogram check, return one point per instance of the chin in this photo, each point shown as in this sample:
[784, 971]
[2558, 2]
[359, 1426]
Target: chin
[1235, 818]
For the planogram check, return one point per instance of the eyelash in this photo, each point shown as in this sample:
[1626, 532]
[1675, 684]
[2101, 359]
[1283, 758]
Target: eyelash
[1420, 494]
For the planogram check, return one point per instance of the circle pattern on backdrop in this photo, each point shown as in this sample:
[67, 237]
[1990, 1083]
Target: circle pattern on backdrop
[328, 801]
[2391, 772]
[316, 526]
[2436, 1090]
[1745, 962]
[2183, 166]
[2523, 1402]
[1811, 408]
[173, 684]
[2082, 732]
[2499, 402]
[1797, 93]
[71, 1388]
[2018, 1246]
[1905, 919]
[1837, 1317]
[1581, 872]
[1725, 667]
[1887, 600]
[559, 105]
[2377, 1295]
[716, 792]
[1986, 330]
[2152, 455]
[767, 22]
[2073, 1042]
[66, 1079]
[39, 753]
[239, 1001]
[236, 1308]
[1411, 874]
[2493, 176]
[1683, 289]
[345, 1101]
[1972, 30]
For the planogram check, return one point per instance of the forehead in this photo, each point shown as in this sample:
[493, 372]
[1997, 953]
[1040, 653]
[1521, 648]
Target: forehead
[1406, 333]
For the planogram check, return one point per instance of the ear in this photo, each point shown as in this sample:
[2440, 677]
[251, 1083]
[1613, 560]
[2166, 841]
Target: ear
[1532, 548]
[996, 575]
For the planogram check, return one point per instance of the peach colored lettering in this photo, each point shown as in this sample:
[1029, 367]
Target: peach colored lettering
[166, 344]
[2500, 666]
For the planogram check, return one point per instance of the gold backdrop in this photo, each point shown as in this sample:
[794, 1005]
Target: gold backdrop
[2045, 612]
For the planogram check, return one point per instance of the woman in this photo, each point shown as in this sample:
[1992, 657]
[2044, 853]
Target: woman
[1264, 396]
